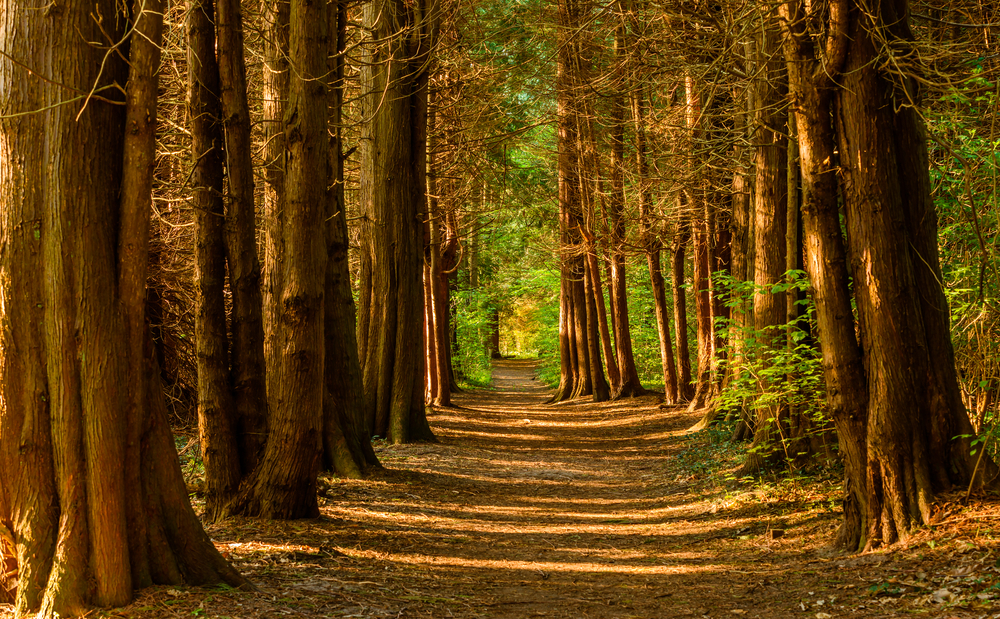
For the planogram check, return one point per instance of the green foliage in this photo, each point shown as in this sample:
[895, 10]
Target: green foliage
[779, 366]
[472, 327]
[642, 324]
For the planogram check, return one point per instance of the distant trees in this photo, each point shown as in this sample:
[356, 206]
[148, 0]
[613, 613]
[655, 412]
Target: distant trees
[758, 117]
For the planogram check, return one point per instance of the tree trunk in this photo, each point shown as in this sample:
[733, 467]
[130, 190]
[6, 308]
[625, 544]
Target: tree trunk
[601, 323]
[275, 79]
[914, 406]
[742, 257]
[216, 408]
[284, 483]
[703, 391]
[630, 386]
[347, 447]
[701, 255]
[652, 245]
[93, 498]
[770, 224]
[685, 390]
[893, 396]
[393, 150]
[247, 355]
[602, 391]
[571, 379]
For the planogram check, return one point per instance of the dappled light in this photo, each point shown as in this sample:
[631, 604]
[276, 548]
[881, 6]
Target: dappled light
[587, 511]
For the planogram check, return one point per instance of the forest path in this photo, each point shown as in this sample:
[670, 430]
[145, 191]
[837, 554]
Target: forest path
[526, 509]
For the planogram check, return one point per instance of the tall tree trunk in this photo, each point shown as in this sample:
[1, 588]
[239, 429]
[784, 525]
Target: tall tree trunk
[630, 386]
[275, 80]
[602, 391]
[85, 451]
[914, 407]
[216, 408]
[393, 150]
[811, 83]
[701, 253]
[435, 278]
[742, 257]
[571, 379]
[895, 409]
[601, 323]
[347, 447]
[685, 389]
[770, 223]
[284, 483]
[247, 355]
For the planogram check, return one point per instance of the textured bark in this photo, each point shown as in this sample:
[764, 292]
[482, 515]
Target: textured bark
[770, 225]
[914, 408]
[139, 161]
[216, 407]
[247, 355]
[600, 324]
[601, 389]
[893, 396]
[701, 244]
[435, 284]
[274, 79]
[393, 149]
[812, 85]
[284, 483]
[705, 337]
[742, 254]
[571, 380]
[81, 431]
[347, 447]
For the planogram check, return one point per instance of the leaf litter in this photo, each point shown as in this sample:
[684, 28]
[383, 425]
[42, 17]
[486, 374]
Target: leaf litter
[591, 510]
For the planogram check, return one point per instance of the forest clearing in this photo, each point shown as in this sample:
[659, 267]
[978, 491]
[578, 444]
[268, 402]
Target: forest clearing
[526, 509]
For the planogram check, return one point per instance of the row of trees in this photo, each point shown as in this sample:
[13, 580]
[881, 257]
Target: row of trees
[94, 505]
[794, 139]
[332, 152]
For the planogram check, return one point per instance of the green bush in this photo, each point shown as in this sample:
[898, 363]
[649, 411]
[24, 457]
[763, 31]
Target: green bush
[779, 366]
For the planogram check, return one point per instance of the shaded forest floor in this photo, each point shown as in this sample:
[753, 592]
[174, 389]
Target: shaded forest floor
[582, 510]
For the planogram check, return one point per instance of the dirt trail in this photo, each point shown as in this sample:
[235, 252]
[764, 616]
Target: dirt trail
[573, 510]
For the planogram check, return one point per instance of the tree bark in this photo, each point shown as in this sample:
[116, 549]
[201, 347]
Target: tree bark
[630, 386]
[892, 395]
[284, 483]
[914, 407]
[701, 254]
[275, 80]
[217, 430]
[85, 451]
[685, 389]
[393, 150]
[770, 225]
[347, 447]
[653, 246]
[247, 355]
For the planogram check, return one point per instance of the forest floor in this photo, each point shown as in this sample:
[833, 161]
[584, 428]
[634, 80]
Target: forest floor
[585, 510]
